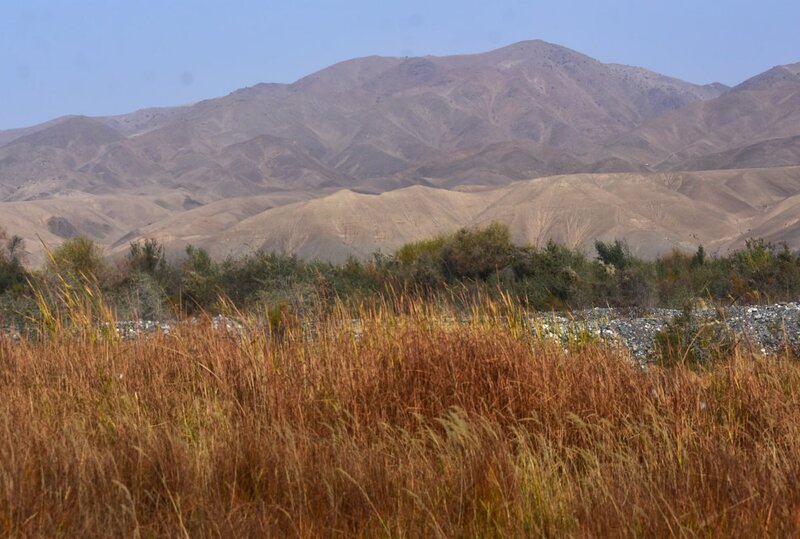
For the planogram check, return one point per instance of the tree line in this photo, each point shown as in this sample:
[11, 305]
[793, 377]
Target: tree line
[146, 284]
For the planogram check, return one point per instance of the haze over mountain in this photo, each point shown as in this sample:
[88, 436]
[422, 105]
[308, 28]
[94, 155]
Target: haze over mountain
[221, 172]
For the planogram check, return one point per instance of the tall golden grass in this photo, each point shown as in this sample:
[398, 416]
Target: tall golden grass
[410, 422]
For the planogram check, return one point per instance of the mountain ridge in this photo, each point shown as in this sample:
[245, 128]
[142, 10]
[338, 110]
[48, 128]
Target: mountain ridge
[468, 124]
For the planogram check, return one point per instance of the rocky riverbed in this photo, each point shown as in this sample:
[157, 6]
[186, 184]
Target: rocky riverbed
[766, 328]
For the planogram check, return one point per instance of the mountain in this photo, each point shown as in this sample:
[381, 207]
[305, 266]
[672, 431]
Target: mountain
[656, 212]
[371, 123]
[564, 146]
[779, 152]
[762, 108]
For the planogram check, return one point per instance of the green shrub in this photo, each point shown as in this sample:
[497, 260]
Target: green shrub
[13, 276]
[477, 253]
[469, 263]
[699, 257]
[552, 277]
[410, 253]
[200, 280]
[147, 257]
[141, 296]
[615, 254]
[688, 339]
[636, 284]
[79, 259]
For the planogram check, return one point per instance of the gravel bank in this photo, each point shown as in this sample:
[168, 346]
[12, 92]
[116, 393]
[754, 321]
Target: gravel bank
[766, 328]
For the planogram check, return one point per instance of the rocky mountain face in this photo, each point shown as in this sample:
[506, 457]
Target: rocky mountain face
[376, 124]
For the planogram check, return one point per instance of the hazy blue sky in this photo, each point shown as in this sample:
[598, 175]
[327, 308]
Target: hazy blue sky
[112, 56]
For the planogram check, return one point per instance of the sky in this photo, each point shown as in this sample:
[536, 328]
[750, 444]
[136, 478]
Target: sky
[102, 57]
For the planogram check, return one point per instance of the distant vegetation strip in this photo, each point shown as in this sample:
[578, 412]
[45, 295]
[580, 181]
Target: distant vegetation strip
[455, 267]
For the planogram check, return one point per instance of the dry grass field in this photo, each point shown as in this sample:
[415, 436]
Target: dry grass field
[408, 424]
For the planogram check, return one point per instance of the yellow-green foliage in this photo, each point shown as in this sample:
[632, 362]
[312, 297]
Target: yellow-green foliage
[70, 302]
[477, 253]
[12, 271]
[77, 258]
[67, 310]
[409, 253]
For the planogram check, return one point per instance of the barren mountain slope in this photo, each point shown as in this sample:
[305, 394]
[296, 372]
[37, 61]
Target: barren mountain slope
[493, 164]
[76, 155]
[287, 166]
[46, 223]
[779, 152]
[348, 223]
[764, 107]
[369, 123]
[654, 212]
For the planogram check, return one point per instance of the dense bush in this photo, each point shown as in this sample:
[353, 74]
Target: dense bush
[78, 258]
[616, 253]
[476, 254]
[200, 283]
[553, 276]
[143, 281]
[456, 266]
[15, 305]
[147, 257]
[12, 272]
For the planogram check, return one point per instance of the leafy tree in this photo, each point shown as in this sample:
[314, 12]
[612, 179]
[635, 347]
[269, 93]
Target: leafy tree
[13, 275]
[147, 257]
[431, 249]
[614, 254]
[699, 257]
[200, 283]
[477, 253]
[78, 258]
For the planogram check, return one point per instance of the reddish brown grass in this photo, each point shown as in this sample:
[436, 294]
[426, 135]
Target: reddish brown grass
[414, 425]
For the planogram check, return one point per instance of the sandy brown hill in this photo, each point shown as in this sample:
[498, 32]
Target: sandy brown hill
[654, 212]
[781, 224]
[204, 224]
[103, 218]
[347, 223]
[113, 221]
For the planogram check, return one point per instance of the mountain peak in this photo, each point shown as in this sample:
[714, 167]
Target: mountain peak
[768, 79]
[71, 130]
[537, 50]
[792, 68]
[374, 124]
